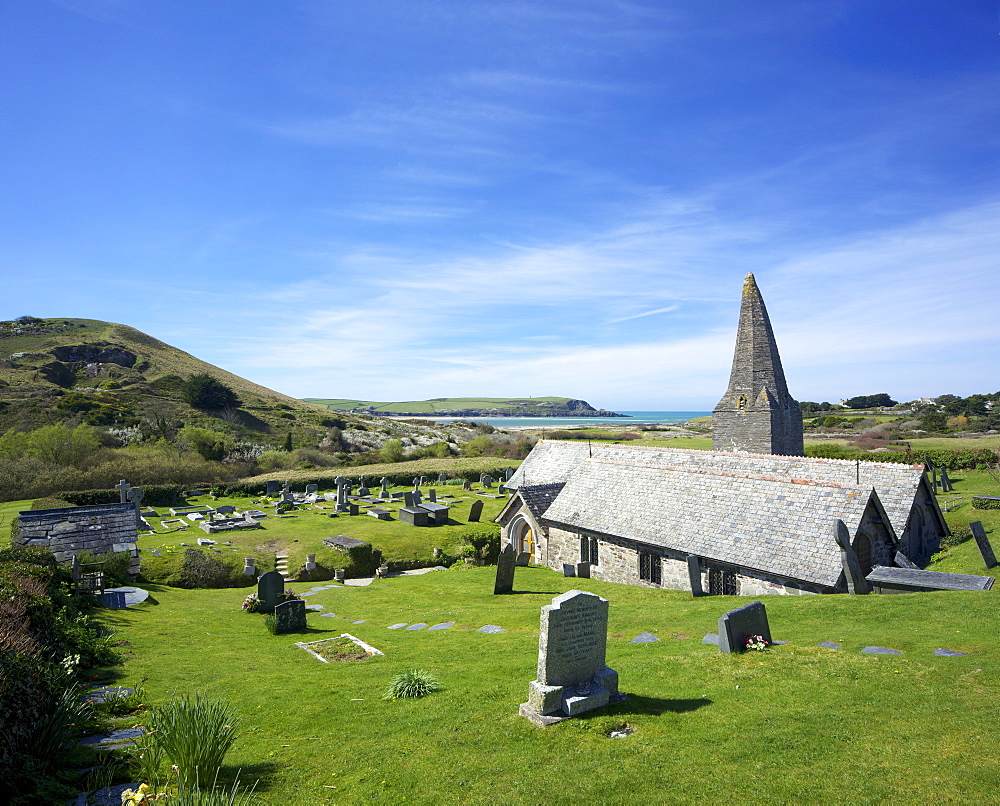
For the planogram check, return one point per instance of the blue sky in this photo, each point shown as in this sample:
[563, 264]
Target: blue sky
[400, 200]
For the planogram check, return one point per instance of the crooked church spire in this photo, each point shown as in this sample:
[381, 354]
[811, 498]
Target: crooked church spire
[757, 414]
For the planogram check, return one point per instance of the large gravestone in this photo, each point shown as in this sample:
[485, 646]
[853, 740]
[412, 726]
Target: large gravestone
[979, 533]
[856, 582]
[415, 516]
[573, 677]
[466, 485]
[475, 511]
[694, 575]
[269, 587]
[135, 495]
[312, 488]
[290, 616]
[736, 625]
[946, 486]
[505, 571]
[272, 487]
[385, 488]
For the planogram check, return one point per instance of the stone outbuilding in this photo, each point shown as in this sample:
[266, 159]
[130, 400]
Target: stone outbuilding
[99, 529]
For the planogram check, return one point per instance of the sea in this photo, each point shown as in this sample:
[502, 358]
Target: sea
[635, 418]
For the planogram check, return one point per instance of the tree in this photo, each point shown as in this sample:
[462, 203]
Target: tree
[288, 443]
[870, 401]
[392, 451]
[202, 391]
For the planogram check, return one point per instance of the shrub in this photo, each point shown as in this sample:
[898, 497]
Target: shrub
[202, 391]
[155, 495]
[981, 502]
[412, 683]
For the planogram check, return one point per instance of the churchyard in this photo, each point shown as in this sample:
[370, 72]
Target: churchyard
[798, 722]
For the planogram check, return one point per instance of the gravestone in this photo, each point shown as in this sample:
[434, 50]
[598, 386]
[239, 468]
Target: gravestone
[488, 482]
[736, 625]
[442, 478]
[415, 516]
[385, 487]
[694, 575]
[364, 491]
[225, 509]
[505, 571]
[569, 570]
[290, 616]
[979, 533]
[945, 481]
[269, 586]
[583, 570]
[123, 487]
[135, 495]
[466, 485]
[250, 569]
[409, 500]
[523, 558]
[423, 481]
[572, 676]
[312, 488]
[508, 474]
[903, 561]
[644, 638]
[432, 495]
[416, 483]
[417, 498]
[272, 488]
[437, 513]
[310, 562]
[475, 511]
[856, 582]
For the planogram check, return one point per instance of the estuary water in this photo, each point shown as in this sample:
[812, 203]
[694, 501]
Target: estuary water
[633, 418]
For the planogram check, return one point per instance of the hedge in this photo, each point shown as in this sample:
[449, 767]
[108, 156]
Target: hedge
[155, 495]
[985, 502]
[950, 458]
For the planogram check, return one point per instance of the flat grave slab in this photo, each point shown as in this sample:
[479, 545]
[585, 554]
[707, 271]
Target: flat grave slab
[644, 638]
[828, 645]
[491, 629]
[418, 626]
[444, 625]
[115, 737]
[359, 621]
[415, 516]
[947, 653]
[343, 542]
[880, 650]
[99, 695]
[710, 638]
[381, 514]
[315, 607]
[909, 580]
[327, 615]
[308, 593]
[133, 595]
[397, 626]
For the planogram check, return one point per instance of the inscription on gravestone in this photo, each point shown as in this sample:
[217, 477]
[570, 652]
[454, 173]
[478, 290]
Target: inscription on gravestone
[572, 675]
[290, 616]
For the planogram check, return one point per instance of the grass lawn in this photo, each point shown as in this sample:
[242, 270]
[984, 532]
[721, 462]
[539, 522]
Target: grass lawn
[795, 724]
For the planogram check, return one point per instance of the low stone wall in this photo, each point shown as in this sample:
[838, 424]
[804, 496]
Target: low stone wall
[66, 532]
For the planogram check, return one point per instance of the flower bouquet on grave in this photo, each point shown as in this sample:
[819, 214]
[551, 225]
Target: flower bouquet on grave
[287, 595]
[755, 643]
[251, 604]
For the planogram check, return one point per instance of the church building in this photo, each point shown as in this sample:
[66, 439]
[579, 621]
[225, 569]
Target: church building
[754, 516]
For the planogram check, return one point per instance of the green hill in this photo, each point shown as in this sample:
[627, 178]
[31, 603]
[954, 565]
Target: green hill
[102, 373]
[469, 407]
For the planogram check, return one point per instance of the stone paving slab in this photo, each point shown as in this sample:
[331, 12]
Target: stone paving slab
[948, 653]
[99, 695]
[327, 615]
[418, 626]
[360, 621]
[115, 737]
[444, 625]
[880, 650]
[828, 645]
[491, 629]
[397, 626]
[109, 796]
[644, 638]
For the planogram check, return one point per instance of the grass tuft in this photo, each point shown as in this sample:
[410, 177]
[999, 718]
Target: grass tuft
[195, 735]
[412, 683]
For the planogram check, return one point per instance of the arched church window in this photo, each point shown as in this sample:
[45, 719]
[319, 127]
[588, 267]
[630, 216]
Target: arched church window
[741, 403]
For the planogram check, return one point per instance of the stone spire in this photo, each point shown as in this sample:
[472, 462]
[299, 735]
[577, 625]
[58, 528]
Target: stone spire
[756, 413]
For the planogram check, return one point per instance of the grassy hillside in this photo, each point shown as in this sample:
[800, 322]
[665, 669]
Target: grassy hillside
[498, 406]
[54, 370]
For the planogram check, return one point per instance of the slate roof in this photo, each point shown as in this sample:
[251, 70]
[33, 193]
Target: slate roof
[775, 525]
[538, 497]
[553, 461]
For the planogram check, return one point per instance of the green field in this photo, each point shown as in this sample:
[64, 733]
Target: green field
[441, 404]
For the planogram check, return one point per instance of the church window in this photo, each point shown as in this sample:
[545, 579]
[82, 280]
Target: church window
[741, 403]
[650, 568]
[588, 550]
[722, 583]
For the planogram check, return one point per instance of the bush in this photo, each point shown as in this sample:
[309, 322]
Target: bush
[981, 502]
[154, 495]
[202, 391]
[197, 568]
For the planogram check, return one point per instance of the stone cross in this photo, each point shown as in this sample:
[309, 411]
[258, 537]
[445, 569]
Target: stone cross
[385, 487]
[505, 571]
[135, 495]
[856, 582]
[983, 542]
[123, 487]
[572, 676]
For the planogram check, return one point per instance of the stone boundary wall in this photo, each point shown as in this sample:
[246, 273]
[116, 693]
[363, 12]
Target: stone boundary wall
[66, 532]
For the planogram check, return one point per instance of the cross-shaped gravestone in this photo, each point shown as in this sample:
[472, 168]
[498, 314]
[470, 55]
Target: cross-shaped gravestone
[385, 487]
[123, 487]
[135, 495]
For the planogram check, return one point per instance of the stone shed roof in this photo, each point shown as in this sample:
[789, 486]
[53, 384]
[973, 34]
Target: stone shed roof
[552, 461]
[774, 525]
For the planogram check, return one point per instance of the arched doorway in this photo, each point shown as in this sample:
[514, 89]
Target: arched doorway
[524, 540]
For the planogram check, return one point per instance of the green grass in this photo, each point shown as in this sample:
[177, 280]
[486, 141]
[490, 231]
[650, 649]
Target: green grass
[965, 557]
[794, 724]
